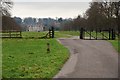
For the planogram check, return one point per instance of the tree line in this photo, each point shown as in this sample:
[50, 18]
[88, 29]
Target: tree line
[100, 15]
[30, 21]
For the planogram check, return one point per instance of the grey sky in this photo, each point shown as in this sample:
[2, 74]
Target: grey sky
[52, 0]
[49, 9]
[64, 0]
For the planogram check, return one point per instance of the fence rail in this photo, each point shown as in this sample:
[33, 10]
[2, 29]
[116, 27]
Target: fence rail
[10, 34]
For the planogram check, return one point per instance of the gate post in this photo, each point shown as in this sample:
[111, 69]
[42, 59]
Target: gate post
[96, 33]
[52, 32]
[81, 33]
[49, 33]
[109, 33]
[113, 34]
[90, 34]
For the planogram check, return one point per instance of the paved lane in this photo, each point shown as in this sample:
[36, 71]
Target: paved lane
[89, 59]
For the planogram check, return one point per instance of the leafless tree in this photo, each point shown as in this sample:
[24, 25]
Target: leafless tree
[5, 7]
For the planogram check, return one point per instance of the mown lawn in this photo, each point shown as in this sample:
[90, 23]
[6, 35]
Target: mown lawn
[66, 34]
[28, 58]
[33, 34]
[115, 44]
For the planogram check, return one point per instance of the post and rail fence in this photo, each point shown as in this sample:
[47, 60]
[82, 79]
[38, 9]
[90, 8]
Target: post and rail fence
[10, 34]
[18, 34]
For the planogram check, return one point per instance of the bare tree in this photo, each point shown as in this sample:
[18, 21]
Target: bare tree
[5, 7]
[8, 23]
[104, 14]
[100, 15]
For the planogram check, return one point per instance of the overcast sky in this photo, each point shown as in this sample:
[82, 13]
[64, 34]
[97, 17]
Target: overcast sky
[53, 9]
[53, 0]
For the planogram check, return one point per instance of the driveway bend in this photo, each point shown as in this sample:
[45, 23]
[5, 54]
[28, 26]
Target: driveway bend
[89, 59]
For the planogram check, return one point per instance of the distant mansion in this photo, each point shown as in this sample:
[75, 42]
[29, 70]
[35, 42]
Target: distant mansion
[36, 28]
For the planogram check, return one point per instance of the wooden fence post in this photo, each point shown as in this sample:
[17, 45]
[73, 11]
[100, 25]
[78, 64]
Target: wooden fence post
[20, 34]
[48, 48]
[81, 33]
[113, 34]
[49, 33]
[109, 33]
[90, 34]
[52, 32]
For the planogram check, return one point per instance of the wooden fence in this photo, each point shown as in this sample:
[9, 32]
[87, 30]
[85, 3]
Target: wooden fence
[10, 34]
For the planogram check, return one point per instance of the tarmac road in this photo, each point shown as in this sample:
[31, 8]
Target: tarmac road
[89, 59]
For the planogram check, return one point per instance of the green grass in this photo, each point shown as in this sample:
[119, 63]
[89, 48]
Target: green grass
[73, 33]
[28, 58]
[66, 34]
[0, 58]
[115, 44]
[33, 34]
[61, 34]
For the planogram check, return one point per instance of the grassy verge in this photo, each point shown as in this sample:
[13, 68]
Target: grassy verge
[115, 44]
[28, 58]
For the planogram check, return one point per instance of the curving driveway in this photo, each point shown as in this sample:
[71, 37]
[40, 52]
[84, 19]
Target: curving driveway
[89, 59]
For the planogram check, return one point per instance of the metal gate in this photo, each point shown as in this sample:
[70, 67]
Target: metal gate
[97, 34]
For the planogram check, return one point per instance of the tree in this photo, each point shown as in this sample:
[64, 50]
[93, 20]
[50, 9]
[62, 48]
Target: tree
[117, 14]
[9, 23]
[18, 20]
[60, 19]
[96, 18]
[5, 7]
[30, 21]
[103, 14]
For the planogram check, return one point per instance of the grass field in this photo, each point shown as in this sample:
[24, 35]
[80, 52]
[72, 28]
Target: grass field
[28, 58]
[33, 34]
[73, 33]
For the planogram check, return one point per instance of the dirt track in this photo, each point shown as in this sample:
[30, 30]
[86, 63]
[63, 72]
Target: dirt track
[89, 59]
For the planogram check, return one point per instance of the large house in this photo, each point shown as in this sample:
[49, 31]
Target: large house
[36, 28]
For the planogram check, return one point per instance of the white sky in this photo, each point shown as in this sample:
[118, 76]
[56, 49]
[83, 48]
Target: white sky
[51, 9]
[52, 0]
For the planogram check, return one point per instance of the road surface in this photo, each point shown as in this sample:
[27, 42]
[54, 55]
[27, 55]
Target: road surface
[89, 59]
